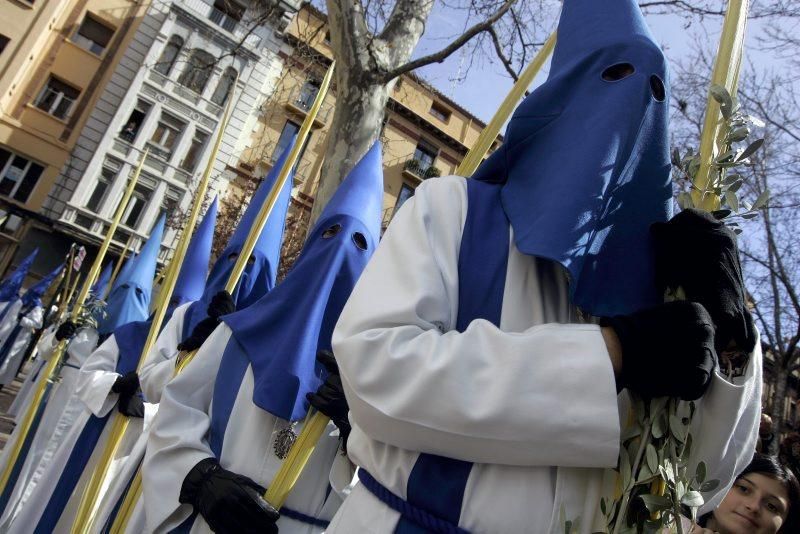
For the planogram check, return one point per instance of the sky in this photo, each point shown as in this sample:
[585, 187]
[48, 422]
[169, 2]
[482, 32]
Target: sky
[487, 83]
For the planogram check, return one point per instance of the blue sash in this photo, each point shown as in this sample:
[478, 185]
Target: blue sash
[437, 484]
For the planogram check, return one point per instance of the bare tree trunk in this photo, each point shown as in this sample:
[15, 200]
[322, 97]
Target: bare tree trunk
[780, 379]
[356, 126]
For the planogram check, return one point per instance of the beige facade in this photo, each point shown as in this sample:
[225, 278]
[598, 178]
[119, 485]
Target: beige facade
[425, 134]
[55, 58]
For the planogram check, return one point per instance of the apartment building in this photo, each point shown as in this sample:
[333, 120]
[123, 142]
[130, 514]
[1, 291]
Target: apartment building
[167, 97]
[55, 59]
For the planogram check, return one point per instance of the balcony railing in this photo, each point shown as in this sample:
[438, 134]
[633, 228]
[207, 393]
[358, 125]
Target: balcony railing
[223, 20]
[87, 44]
[421, 170]
[303, 100]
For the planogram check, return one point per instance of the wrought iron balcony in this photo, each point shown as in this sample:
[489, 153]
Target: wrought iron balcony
[421, 170]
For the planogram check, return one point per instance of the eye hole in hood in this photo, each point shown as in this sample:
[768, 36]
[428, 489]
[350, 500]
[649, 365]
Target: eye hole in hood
[657, 88]
[360, 240]
[331, 231]
[618, 72]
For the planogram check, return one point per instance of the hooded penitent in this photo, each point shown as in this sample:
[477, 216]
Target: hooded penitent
[192, 276]
[131, 337]
[259, 275]
[283, 331]
[129, 299]
[99, 288]
[33, 296]
[9, 288]
[585, 160]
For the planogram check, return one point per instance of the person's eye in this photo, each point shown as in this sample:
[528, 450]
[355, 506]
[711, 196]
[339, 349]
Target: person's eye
[772, 508]
[742, 488]
[251, 260]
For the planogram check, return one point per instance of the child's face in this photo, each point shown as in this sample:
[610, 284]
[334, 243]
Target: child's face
[756, 504]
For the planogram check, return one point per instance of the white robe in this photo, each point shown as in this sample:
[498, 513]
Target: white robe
[532, 403]
[59, 416]
[93, 394]
[35, 367]
[31, 321]
[9, 319]
[178, 441]
[157, 370]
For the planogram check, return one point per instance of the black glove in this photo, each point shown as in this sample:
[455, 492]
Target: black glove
[127, 384]
[329, 398]
[199, 334]
[227, 501]
[221, 304]
[667, 351]
[131, 405]
[66, 330]
[698, 253]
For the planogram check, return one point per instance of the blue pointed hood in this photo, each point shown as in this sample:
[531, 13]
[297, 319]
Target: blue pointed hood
[33, 296]
[124, 272]
[131, 337]
[259, 276]
[283, 331]
[100, 287]
[9, 288]
[584, 165]
[192, 276]
[129, 299]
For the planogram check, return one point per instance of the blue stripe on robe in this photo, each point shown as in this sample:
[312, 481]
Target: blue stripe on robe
[82, 451]
[437, 484]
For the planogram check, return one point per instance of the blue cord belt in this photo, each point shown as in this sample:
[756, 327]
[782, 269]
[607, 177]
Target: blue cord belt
[415, 514]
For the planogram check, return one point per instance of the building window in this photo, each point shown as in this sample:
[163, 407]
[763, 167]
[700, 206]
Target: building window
[406, 192]
[308, 93]
[224, 87]
[166, 136]
[327, 38]
[57, 98]
[226, 14]
[83, 221]
[169, 55]
[18, 175]
[136, 206]
[3, 42]
[170, 203]
[195, 151]
[105, 179]
[425, 155]
[198, 71]
[135, 121]
[92, 35]
[440, 112]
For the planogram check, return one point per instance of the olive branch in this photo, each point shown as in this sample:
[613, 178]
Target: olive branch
[657, 484]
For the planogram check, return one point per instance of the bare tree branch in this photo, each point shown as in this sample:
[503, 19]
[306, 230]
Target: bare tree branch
[441, 55]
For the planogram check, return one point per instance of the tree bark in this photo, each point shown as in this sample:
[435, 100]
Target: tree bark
[356, 126]
[780, 379]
